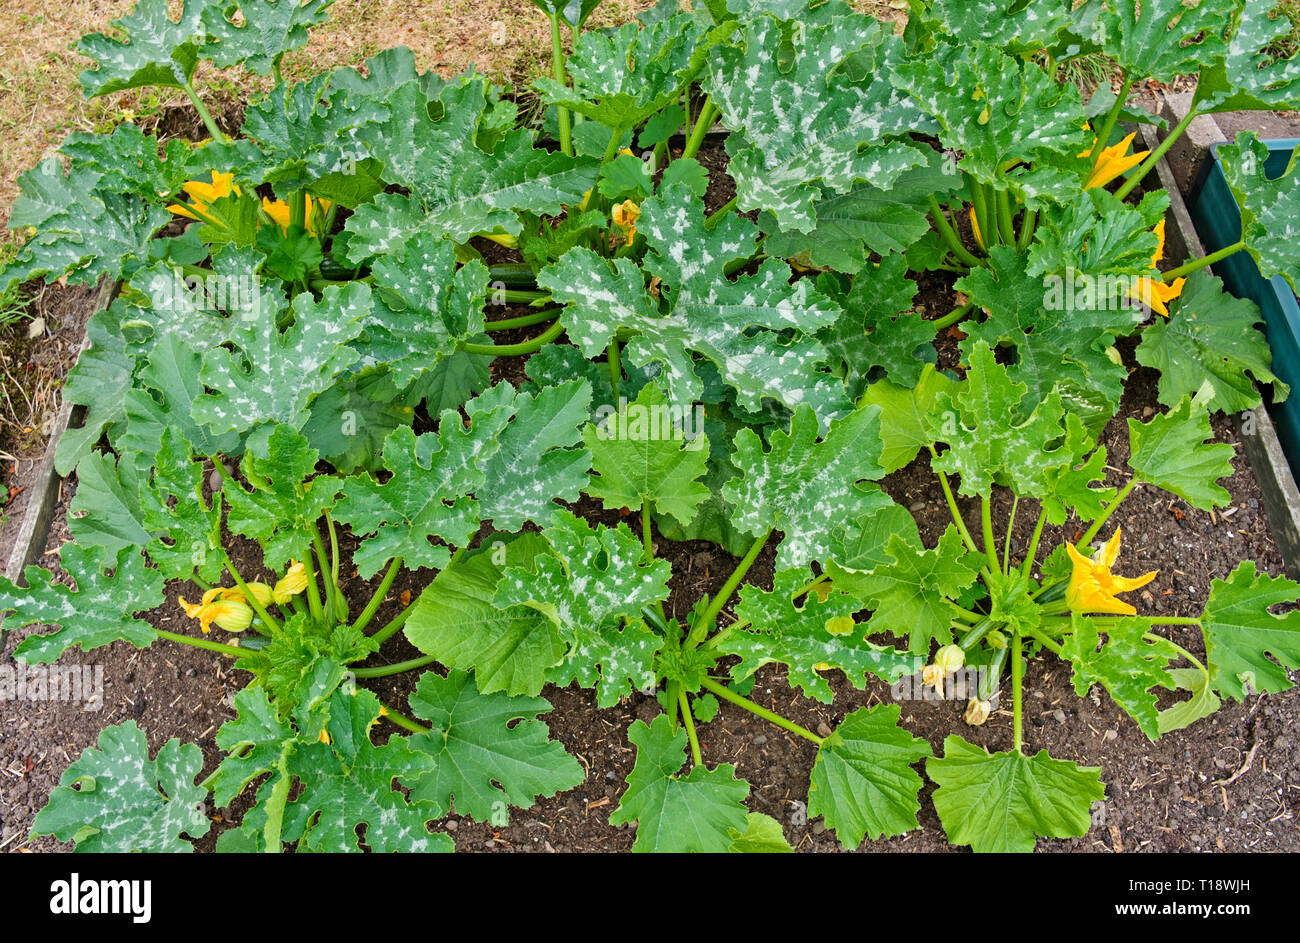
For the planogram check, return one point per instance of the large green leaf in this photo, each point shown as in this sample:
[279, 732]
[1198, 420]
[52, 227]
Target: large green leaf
[862, 781]
[1018, 26]
[266, 31]
[911, 592]
[735, 325]
[802, 118]
[809, 636]
[100, 611]
[1254, 75]
[1269, 208]
[804, 487]
[82, 232]
[424, 307]
[622, 76]
[455, 620]
[186, 526]
[866, 218]
[1005, 801]
[156, 51]
[1007, 112]
[161, 398]
[878, 331]
[640, 456]
[457, 189]
[256, 741]
[1059, 344]
[1210, 337]
[1163, 39]
[101, 381]
[991, 433]
[347, 782]
[114, 798]
[1127, 665]
[539, 461]
[1171, 452]
[488, 750]
[905, 426]
[280, 372]
[1241, 632]
[281, 511]
[105, 511]
[595, 577]
[427, 494]
[675, 813]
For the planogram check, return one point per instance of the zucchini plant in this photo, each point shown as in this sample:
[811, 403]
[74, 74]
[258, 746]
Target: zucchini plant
[300, 353]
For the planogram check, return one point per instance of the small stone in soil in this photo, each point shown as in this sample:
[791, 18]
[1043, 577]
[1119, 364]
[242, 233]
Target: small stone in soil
[451, 825]
[824, 730]
[759, 740]
[917, 506]
[1059, 715]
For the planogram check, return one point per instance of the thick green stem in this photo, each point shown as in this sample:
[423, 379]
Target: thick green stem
[729, 695]
[672, 690]
[516, 350]
[1046, 641]
[952, 317]
[708, 114]
[395, 623]
[557, 64]
[397, 668]
[689, 721]
[722, 211]
[1028, 565]
[524, 320]
[204, 115]
[322, 558]
[401, 720]
[377, 598]
[706, 618]
[313, 593]
[1017, 676]
[615, 367]
[952, 504]
[1092, 531]
[1006, 217]
[230, 650]
[948, 234]
[986, 523]
[1154, 157]
[1027, 225]
[1198, 264]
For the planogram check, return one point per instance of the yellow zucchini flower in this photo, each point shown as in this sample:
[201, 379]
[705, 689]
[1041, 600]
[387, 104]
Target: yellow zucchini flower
[291, 584]
[1153, 292]
[204, 194]
[625, 216]
[1093, 586]
[1112, 162]
[233, 615]
[977, 711]
[279, 212]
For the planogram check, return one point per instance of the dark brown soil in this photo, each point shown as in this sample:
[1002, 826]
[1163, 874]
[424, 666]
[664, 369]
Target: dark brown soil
[1229, 783]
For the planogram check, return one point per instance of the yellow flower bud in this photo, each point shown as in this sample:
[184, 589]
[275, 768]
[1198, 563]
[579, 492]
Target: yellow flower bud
[950, 658]
[977, 712]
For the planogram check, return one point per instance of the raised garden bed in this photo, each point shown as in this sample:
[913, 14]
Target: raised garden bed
[1165, 794]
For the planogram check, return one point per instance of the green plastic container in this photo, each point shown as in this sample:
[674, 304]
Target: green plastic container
[1218, 223]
